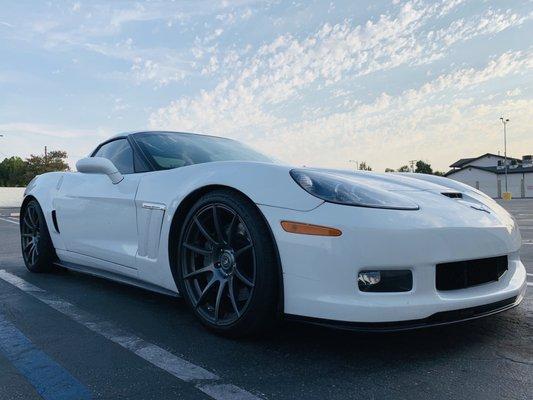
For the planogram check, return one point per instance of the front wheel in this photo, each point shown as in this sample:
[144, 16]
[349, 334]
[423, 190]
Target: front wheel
[37, 248]
[227, 266]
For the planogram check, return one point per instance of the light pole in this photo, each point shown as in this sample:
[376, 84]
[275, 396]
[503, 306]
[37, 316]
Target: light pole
[504, 122]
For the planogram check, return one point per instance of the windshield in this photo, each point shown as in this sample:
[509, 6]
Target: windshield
[167, 150]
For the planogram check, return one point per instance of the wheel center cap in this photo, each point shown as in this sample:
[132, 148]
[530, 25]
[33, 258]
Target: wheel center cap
[227, 260]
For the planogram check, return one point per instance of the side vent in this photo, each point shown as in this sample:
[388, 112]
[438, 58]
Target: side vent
[54, 220]
[453, 195]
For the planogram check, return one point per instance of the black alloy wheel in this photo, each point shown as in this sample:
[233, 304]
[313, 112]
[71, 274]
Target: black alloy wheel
[37, 249]
[227, 264]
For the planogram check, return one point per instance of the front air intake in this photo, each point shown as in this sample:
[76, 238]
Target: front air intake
[464, 274]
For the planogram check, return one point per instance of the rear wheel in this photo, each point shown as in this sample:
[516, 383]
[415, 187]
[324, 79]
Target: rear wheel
[227, 266]
[37, 248]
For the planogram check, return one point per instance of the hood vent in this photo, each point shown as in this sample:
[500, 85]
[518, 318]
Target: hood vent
[453, 195]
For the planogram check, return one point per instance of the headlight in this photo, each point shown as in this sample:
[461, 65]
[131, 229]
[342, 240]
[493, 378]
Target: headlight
[349, 191]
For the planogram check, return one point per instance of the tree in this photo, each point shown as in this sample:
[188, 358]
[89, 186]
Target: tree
[403, 168]
[389, 170]
[12, 172]
[423, 168]
[438, 173]
[53, 161]
[364, 166]
[16, 172]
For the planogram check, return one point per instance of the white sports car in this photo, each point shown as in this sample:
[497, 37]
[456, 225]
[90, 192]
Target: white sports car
[246, 240]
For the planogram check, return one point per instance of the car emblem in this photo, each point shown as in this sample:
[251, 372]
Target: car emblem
[480, 208]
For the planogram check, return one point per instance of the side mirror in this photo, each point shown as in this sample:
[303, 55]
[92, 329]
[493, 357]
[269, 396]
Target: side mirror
[99, 165]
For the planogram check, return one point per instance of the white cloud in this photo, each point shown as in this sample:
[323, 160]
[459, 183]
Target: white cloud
[281, 69]
[413, 124]
[514, 92]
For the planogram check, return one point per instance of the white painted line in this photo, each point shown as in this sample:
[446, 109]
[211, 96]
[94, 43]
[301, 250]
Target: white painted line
[203, 379]
[14, 215]
[529, 274]
[530, 283]
[9, 220]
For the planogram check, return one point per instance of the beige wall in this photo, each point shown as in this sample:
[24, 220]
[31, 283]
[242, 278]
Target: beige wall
[479, 179]
[11, 197]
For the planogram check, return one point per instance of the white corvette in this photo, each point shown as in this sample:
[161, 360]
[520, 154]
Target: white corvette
[246, 240]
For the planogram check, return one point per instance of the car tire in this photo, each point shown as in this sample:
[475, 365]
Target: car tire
[227, 265]
[37, 247]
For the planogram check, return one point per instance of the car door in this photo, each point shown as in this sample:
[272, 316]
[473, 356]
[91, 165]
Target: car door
[97, 218]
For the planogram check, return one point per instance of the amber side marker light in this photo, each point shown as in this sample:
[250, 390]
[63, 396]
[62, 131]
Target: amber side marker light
[309, 229]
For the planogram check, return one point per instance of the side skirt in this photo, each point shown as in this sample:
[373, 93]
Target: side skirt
[116, 278]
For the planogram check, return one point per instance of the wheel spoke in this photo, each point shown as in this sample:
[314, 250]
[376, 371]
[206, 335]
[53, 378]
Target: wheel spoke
[221, 288]
[232, 298]
[27, 222]
[206, 290]
[242, 250]
[241, 277]
[33, 216]
[196, 249]
[27, 247]
[26, 235]
[216, 222]
[204, 232]
[231, 228]
[32, 255]
[200, 271]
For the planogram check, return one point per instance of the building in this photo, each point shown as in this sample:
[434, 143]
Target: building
[487, 173]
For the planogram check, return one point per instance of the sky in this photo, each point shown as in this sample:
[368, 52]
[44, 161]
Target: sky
[317, 83]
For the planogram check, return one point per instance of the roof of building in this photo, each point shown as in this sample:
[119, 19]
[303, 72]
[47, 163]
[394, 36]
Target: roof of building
[495, 170]
[460, 163]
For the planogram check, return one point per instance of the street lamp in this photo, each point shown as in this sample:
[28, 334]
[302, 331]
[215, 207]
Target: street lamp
[504, 122]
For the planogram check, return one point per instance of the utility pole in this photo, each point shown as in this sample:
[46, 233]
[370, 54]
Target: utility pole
[356, 163]
[45, 155]
[504, 122]
[412, 162]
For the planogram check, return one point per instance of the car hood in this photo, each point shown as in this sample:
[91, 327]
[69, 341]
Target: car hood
[433, 194]
[387, 181]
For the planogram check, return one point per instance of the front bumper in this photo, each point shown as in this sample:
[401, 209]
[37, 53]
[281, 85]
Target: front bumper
[437, 319]
[320, 273]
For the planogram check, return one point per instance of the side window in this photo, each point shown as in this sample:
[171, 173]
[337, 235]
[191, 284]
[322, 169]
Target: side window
[120, 153]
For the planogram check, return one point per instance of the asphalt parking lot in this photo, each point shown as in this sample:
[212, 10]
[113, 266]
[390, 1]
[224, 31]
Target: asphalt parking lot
[67, 335]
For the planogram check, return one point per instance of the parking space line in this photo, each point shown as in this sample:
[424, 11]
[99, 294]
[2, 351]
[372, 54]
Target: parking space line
[182, 369]
[49, 379]
[9, 220]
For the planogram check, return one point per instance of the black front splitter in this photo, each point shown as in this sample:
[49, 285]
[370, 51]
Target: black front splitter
[437, 319]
